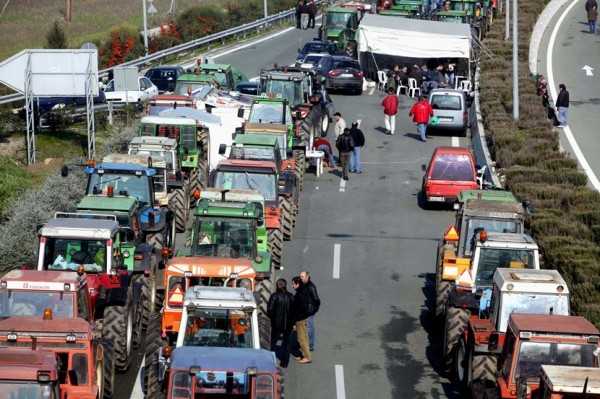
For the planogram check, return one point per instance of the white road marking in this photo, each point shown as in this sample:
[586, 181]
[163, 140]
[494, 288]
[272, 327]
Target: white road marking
[340, 386]
[588, 70]
[342, 186]
[137, 392]
[337, 253]
[455, 141]
[567, 130]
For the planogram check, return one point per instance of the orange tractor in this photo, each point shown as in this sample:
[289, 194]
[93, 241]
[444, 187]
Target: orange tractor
[28, 373]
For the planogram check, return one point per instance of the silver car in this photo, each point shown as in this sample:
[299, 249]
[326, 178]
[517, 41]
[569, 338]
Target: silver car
[450, 110]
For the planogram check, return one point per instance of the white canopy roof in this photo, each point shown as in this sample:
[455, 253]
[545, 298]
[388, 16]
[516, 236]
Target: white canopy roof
[413, 38]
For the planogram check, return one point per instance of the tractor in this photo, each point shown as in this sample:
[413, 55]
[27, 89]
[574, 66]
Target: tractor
[29, 373]
[524, 291]
[213, 318]
[536, 341]
[85, 363]
[402, 8]
[227, 76]
[492, 210]
[164, 102]
[569, 382]
[120, 273]
[340, 26]
[471, 279]
[170, 189]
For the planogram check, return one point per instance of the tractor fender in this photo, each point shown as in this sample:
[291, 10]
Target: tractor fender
[118, 295]
[463, 299]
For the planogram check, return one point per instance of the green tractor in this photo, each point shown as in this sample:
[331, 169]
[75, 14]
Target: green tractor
[404, 8]
[340, 26]
[190, 82]
[226, 76]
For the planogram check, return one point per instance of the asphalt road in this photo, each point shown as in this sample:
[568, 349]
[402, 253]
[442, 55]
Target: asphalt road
[371, 251]
[574, 48]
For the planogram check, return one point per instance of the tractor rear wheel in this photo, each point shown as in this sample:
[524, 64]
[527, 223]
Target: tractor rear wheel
[461, 369]
[146, 305]
[442, 290]
[264, 331]
[199, 177]
[105, 370]
[179, 203]
[152, 384]
[275, 246]
[300, 158]
[264, 288]
[156, 240]
[118, 327]
[483, 367]
[454, 324]
[287, 222]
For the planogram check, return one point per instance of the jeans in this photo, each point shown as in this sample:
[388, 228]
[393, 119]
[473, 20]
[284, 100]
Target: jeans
[422, 129]
[311, 332]
[390, 123]
[592, 25]
[311, 20]
[302, 332]
[562, 115]
[345, 161]
[355, 161]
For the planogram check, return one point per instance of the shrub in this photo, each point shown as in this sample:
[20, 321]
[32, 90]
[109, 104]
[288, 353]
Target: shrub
[56, 37]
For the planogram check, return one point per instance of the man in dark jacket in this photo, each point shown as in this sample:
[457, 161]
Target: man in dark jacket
[345, 146]
[315, 304]
[562, 105]
[311, 7]
[299, 12]
[359, 141]
[300, 310]
[279, 310]
[591, 8]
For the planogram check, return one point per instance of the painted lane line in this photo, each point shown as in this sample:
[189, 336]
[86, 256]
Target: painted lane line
[137, 392]
[342, 186]
[337, 253]
[340, 386]
[553, 93]
[455, 141]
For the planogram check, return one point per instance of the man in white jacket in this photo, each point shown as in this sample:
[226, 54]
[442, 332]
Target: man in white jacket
[340, 124]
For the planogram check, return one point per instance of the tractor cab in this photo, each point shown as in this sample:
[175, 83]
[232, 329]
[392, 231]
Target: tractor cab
[226, 76]
[290, 84]
[190, 83]
[340, 26]
[258, 147]
[157, 148]
[569, 382]
[28, 373]
[163, 102]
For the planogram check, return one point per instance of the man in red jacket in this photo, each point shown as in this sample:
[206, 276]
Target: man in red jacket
[421, 111]
[390, 109]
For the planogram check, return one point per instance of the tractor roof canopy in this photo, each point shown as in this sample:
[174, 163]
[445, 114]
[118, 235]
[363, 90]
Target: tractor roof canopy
[256, 140]
[245, 210]
[487, 195]
[342, 10]
[124, 168]
[162, 120]
[492, 208]
[229, 359]
[530, 281]
[551, 324]
[24, 364]
[87, 228]
[165, 143]
[27, 326]
[41, 280]
[240, 296]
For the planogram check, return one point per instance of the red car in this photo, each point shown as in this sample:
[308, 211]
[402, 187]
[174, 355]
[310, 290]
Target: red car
[450, 171]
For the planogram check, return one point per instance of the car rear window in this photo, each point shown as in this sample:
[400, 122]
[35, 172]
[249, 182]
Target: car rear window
[345, 64]
[313, 59]
[446, 103]
[455, 167]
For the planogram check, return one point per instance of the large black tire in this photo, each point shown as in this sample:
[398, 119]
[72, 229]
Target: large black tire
[454, 324]
[156, 240]
[461, 369]
[264, 288]
[153, 343]
[275, 245]
[484, 390]
[108, 370]
[117, 327]
[483, 367]
[199, 177]
[300, 158]
[179, 204]
[442, 291]
[145, 307]
[264, 329]
[287, 221]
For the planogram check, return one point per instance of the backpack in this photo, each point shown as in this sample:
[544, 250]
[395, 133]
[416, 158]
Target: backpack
[344, 143]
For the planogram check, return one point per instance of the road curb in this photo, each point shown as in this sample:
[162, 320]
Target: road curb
[539, 29]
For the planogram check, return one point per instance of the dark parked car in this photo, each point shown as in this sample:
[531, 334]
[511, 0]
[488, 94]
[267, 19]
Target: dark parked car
[47, 104]
[316, 46]
[342, 73]
[165, 77]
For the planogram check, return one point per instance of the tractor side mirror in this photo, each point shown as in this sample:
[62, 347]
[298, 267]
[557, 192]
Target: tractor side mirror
[240, 112]
[64, 171]
[222, 149]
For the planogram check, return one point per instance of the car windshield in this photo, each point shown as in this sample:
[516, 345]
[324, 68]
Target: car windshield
[69, 254]
[489, 225]
[492, 258]
[446, 103]
[226, 238]
[267, 113]
[264, 183]
[339, 19]
[259, 153]
[33, 303]
[25, 390]
[453, 167]
[344, 64]
[182, 87]
[532, 355]
[287, 89]
[230, 328]
[130, 184]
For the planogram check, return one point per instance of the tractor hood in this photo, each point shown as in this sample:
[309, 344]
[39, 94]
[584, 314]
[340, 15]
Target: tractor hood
[334, 32]
[223, 359]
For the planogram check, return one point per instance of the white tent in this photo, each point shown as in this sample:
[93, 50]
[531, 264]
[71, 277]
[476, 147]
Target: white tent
[413, 38]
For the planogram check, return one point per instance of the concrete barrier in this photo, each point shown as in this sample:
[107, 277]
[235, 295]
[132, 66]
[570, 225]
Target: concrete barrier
[540, 27]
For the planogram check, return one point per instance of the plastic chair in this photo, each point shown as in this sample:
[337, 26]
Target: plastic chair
[412, 87]
[382, 80]
[400, 88]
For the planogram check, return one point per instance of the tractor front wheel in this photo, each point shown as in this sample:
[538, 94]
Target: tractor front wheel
[179, 204]
[454, 324]
[118, 328]
[105, 370]
[152, 383]
[275, 246]
[287, 222]
[156, 240]
[300, 158]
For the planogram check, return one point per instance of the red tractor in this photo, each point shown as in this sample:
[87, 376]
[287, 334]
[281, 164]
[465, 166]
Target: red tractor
[28, 373]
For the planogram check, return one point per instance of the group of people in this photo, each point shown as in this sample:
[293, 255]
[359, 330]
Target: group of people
[421, 112]
[427, 79]
[293, 319]
[308, 7]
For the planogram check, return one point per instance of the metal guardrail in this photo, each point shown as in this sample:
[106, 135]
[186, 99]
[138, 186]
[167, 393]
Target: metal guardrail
[219, 36]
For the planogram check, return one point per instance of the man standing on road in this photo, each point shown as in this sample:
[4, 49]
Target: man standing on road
[300, 312]
[315, 304]
[299, 11]
[279, 311]
[340, 125]
[421, 112]
[591, 8]
[345, 146]
[562, 105]
[312, 11]
[359, 140]
[390, 109]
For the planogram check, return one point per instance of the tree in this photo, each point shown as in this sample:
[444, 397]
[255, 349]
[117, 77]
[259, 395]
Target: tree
[56, 37]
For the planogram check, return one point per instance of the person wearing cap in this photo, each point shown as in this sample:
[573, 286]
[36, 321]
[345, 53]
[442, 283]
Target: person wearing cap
[421, 111]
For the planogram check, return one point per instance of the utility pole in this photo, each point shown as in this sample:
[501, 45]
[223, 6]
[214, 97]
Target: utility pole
[145, 26]
[68, 10]
[507, 32]
[515, 52]
[266, 11]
